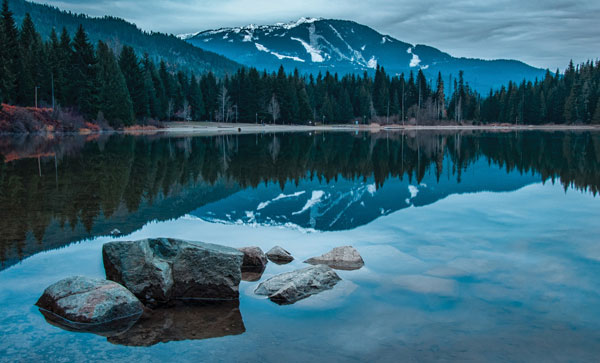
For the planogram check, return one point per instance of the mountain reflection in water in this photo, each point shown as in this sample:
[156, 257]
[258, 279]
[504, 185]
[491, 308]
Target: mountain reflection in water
[55, 191]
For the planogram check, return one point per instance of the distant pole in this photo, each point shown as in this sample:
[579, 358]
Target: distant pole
[256, 120]
[36, 88]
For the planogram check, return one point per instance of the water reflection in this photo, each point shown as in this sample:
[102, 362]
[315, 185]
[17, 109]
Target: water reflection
[189, 321]
[60, 190]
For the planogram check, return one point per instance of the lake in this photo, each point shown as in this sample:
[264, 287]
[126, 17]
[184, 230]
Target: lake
[478, 246]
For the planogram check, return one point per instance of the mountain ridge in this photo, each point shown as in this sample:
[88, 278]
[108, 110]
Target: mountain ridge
[117, 32]
[343, 46]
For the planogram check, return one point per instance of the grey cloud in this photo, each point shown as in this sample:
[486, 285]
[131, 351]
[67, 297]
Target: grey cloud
[543, 33]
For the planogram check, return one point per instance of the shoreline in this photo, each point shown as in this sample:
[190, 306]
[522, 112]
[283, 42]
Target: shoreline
[179, 128]
[210, 128]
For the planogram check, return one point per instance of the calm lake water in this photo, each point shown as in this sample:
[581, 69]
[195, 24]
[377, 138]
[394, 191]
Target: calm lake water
[477, 246]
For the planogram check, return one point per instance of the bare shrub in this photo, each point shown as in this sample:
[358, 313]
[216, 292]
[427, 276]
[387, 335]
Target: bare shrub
[69, 119]
[25, 121]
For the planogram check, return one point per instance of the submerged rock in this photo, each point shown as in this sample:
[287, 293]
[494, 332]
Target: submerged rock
[289, 287]
[254, 258]
[163, 269]
[184, 322]
[340, 258]
[279, 255]
[85, 304]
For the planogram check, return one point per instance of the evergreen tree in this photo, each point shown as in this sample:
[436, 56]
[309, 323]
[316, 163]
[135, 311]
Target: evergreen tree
[82, 76]
[135, 80]
[113, 97]
[29, 56]
[195, 99]
[9, 54]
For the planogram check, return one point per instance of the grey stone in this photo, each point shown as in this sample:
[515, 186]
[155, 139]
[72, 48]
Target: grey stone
[85, 304]
[161, 270]
[279, 255]
[289, 287]
[254, 258]
[340, 258]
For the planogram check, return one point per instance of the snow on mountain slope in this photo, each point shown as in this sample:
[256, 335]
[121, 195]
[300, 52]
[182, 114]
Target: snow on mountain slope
[312, 205]
[314, 45]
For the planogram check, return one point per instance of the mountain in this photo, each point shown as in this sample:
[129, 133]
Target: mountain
[117, 32]
[348, 204]
[315, 45]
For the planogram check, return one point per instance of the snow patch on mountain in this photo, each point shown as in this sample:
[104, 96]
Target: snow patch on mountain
[372, 63]
[413, 191]
[415, 61]
[315, 54]
[281, 196]
[371, 188]
[300, 21]
[262, 48]
[315, 199]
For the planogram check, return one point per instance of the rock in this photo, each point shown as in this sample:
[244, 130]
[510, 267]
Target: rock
[279, 255]
[93, 305]
[340, 258]
[254, 263]
[160, 270]
[184, 322]
[254, 258]
[289, 287]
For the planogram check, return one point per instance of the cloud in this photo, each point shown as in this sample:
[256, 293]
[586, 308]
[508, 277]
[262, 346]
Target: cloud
[544, 33]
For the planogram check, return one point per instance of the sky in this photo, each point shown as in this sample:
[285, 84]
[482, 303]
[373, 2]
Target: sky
[543, 33]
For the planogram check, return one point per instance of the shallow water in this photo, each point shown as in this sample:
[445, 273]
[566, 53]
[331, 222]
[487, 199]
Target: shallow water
[477, 246]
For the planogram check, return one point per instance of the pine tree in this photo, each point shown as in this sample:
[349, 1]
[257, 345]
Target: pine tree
[440, 98]
[596, 118]
[305, 112]
[113, 96]
[135, 80]
[29, 56]
[82, 77]
[195, 99]
[9, 54]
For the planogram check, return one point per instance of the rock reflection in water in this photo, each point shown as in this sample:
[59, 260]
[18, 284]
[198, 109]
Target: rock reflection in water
[108, 329]
[186, 321]
[252, 274]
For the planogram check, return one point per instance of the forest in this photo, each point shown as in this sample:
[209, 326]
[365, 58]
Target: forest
[113, 86]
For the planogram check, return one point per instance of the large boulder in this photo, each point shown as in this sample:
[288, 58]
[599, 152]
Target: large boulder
[279, 255]
[163, 269]
[340, 258]
[189, 321]
[289, 287]
[85, 304]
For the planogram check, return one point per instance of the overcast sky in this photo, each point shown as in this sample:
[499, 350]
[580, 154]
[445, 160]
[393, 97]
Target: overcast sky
[543, 33]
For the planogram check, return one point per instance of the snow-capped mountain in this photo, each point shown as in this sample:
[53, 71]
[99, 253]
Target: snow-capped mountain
[312, 205]
[314, 45]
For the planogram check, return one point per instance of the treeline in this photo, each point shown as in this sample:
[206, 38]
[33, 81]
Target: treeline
[570, 98]
[113, 85]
